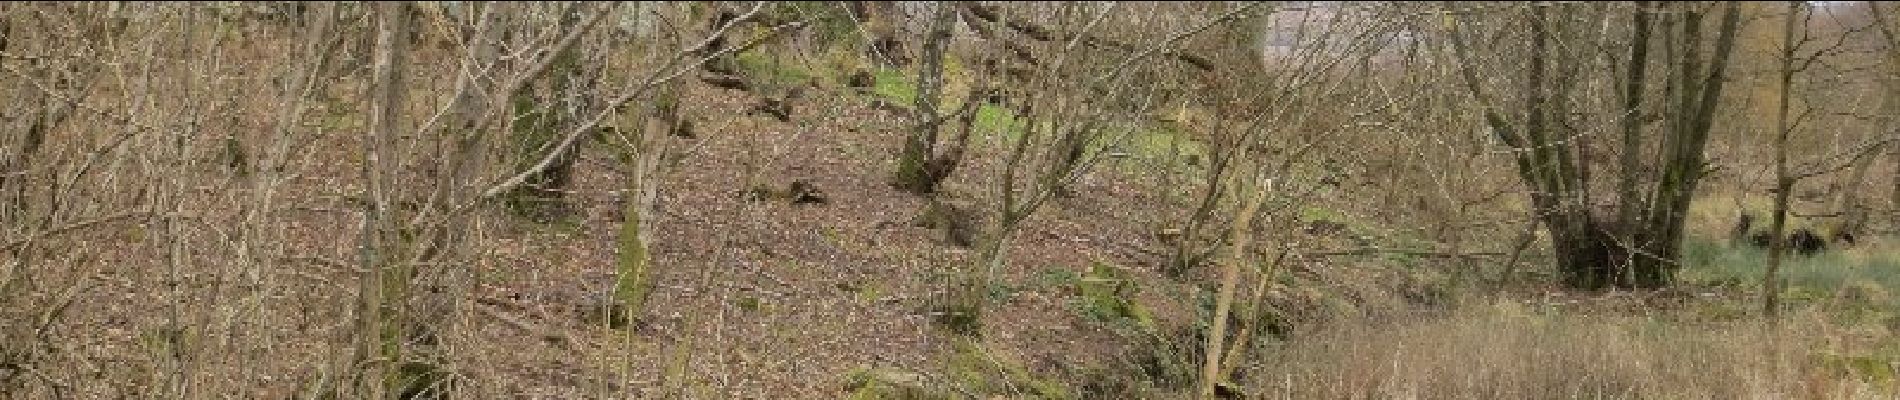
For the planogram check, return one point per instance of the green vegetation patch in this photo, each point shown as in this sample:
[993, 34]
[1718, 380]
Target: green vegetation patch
[890, 384]
[976, 370]
[895, 85]
[1846, 278]
[1107, 293]
[772, 72]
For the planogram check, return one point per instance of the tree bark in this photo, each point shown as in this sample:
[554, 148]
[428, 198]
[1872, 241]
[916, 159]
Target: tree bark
[635, 277]
[880, 20]
[1594, 250]
[1778, 242]
[386, 286]
[1628, 198]
[1229, 281]
[924, 163]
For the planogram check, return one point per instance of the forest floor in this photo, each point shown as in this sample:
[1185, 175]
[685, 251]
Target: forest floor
[768, 299]
[779, 300]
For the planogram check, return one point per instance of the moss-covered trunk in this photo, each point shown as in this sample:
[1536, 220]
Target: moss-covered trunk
[962, 311]
[1890, 100]
[634, 280]
[384, 324]
[1637, 245]
[916, 162]
[634, 269]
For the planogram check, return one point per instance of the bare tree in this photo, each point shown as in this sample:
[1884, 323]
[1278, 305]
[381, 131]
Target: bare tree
[925, 159]
[649, 141]
[1062, 99]
[1593, 248]
[385, 289]
[1784, 184]
[404, 230]
[1317, 90]
[1211, 371]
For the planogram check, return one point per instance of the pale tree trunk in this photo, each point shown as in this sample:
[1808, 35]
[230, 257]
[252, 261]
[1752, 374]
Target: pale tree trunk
[634, 280]
[383, 319]
[913, 172]
[1891, 104]
[1229, 281]
[646, 147]
[1852, 205]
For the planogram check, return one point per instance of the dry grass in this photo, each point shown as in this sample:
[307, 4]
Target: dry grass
[1510, 350]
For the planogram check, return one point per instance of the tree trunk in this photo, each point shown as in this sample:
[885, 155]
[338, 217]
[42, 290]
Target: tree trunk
[385, 290]
[1777, 242]
[1593, 250]
[913, 173]
[1629, 199]
[969, 298]
[1229, 281]
[924, 163]
[634, 279]
[1852, 207]
[634, 274]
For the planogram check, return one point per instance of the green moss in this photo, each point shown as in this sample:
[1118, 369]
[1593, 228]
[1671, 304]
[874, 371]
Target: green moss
[1153, 141]
[868, 293]
[633, 267]
[896, 85]
[959, 318]
[987, 374]
[1871, 368]
[993, 118]
[1056, 277]
[770, 72]
[1106, 293]
[889, 384]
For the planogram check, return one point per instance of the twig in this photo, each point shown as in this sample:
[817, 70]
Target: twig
[71, 227]
[573, 136]
[558, 338]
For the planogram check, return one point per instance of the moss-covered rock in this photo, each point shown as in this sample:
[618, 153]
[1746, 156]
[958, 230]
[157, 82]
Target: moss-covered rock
[975, 370]
[889, 384]
[1107, 293]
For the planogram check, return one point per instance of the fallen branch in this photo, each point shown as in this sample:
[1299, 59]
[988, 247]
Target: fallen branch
[555, 337]
[1364, 251]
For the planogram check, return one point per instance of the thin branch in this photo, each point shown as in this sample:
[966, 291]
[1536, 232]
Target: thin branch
[579, 131]
[72, 227]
